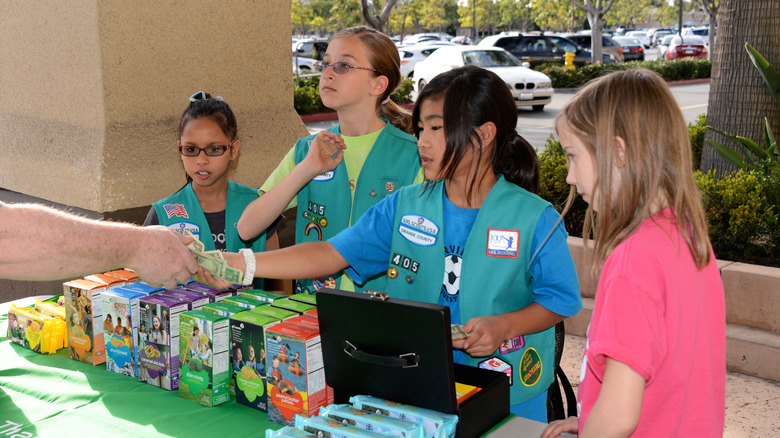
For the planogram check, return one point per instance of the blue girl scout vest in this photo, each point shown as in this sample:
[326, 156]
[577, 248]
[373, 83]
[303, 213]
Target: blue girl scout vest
[181, 211]
[325, 205]
[494, 278]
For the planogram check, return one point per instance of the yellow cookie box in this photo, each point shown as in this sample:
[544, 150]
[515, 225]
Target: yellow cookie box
[34, 330]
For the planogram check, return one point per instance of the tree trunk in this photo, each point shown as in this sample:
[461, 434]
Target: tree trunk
[739, 99]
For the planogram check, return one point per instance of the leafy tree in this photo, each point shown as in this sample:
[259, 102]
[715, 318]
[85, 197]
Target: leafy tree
[369, 9]
[711, 8]
[343, 14]
[439, 15]
[556, 15]
[301, 17]
[487, 15]
[628, 12]
[738, 98]
[595, 10]
[514, 15]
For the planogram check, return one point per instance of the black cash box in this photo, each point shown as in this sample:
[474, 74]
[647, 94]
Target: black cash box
[402, 351]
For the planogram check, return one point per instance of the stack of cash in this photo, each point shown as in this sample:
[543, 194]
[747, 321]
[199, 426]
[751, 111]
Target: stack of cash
[213, 261]
[458, 332]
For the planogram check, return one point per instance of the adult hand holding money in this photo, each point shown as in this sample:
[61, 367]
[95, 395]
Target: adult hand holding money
[214, 262]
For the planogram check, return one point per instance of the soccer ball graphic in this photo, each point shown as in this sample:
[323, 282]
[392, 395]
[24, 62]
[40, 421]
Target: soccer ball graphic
[452, 265]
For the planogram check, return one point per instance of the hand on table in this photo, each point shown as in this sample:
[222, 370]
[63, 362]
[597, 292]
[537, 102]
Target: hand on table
[557, 427]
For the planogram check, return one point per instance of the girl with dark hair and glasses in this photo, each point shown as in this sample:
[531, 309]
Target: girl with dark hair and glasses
[335, 176]
[474, 237]
[209, 205]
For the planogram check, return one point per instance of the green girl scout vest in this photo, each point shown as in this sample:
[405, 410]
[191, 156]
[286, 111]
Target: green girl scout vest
[325, 205]
[181, 211]
[494, 277]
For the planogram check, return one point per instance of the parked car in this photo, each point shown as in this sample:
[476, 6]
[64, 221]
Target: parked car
[703, 31]
[658, 36]
[641, 35]
[305, 65]
[630, 48]
[663, 46]
[310, 48]
[528, 87]
[539, 49]
[411, 55]
[462, 39]
[686, 47]
[608, 45]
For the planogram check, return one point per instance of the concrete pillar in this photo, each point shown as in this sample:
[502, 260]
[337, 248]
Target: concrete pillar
[92, 91]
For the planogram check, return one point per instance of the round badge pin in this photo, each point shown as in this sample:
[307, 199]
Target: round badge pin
[372, 193]
[409, 279]
[392, 272]
[389, 187]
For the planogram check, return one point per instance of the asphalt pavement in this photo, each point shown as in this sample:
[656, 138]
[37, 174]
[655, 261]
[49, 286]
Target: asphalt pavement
[536, 127]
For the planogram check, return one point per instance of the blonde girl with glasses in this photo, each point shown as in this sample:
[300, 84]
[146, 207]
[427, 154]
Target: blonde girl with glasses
[655, 360]
[335, 176]
[209, 204]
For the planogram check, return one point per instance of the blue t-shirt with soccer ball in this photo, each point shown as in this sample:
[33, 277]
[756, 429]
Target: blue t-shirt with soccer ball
[366, 247]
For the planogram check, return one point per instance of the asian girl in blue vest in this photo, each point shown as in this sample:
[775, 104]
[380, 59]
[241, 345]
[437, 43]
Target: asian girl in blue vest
[335, 176]
[209, 205]
[474, 237]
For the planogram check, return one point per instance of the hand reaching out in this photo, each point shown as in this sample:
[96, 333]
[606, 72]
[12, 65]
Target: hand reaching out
[234, 260]
[325, 152]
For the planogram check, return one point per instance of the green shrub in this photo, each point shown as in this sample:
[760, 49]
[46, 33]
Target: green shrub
[306, 96]
[553, 186]
[743, 208]
[743, 221]
[670, 70]
[696, 130]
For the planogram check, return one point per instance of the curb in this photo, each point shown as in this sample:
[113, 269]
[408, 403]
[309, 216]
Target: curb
[670, 84]
[688, 81]
[318, 117]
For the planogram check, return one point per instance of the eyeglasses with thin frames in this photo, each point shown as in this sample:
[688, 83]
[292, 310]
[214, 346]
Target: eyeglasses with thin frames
[214, 150]
[340, 67]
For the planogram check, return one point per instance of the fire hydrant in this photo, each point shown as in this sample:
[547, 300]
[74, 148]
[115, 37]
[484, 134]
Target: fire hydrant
[568, 60]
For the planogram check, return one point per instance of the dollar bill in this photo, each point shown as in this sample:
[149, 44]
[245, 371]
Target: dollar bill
[213, 261]
[458, 332]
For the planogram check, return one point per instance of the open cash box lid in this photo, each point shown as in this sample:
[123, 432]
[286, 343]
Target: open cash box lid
[401, 350]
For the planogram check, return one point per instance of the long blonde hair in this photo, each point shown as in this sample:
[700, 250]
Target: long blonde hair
[637, 106]
[383, 56]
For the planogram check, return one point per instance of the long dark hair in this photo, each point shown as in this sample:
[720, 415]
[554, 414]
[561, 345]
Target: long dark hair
[472, 97]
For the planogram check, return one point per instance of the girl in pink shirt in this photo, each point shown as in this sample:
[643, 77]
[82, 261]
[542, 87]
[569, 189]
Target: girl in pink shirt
[655, 359]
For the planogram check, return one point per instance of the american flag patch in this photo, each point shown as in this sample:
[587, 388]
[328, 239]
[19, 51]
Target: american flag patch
[175, 210]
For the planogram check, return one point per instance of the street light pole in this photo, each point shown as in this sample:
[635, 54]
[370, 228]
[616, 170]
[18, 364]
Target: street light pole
[474, 21]
[679, 12]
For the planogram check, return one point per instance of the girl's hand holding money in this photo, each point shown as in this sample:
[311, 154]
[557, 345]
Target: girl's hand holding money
[234, 260]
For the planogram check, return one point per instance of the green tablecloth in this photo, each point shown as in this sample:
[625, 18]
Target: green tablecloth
[54, 396]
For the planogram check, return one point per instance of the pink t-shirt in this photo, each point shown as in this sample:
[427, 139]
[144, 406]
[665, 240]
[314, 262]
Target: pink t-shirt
[665, 319]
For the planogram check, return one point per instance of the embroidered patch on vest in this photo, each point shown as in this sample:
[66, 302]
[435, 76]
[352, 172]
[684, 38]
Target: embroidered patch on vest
[389, 187]
[502, 243]
[530, 367]
[175, 210]
[511, 345]
[182, 226]
[497, 364]
[313, 227]
[418, 230]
